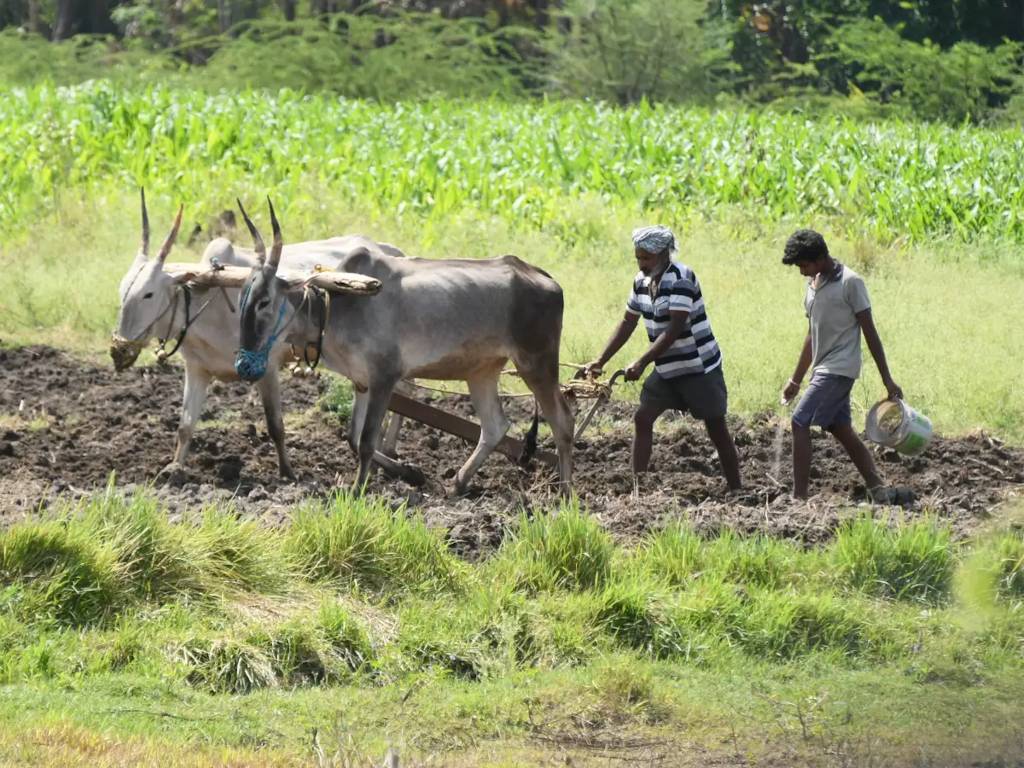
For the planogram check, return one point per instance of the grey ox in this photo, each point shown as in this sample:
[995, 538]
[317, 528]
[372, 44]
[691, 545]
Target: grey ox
[450, 319]
[164, 300]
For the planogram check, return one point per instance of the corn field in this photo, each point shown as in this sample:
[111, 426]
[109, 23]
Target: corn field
[518, 161]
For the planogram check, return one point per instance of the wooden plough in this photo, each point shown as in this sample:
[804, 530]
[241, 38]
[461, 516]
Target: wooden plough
[578, 388]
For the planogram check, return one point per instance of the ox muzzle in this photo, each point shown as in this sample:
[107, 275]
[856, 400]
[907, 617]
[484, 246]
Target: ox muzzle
[124, 352]
[250, 365]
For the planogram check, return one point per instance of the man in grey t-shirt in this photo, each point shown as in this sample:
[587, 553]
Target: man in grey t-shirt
[838, 310]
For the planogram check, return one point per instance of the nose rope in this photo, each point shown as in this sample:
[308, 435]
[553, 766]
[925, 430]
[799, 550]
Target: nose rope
[252, 364]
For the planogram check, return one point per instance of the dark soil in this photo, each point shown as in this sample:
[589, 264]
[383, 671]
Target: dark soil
[66, 425]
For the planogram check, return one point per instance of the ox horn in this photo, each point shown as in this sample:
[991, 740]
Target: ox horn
[169, 242]
[261, 249]
[144, 248]
[275, 249]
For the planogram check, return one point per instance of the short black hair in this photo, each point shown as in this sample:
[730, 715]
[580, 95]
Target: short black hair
[804, 245]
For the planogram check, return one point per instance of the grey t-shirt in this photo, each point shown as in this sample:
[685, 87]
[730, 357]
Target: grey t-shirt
[835, 333]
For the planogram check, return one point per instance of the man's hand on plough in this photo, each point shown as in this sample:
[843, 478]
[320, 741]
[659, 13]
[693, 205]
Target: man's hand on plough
[584, 384]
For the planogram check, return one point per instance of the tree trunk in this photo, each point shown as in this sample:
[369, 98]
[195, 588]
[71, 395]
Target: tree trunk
[64, 23]
[288, 9]
[223, 15]
[34, 22]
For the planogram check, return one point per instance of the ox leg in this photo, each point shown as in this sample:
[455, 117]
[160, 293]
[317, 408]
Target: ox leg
[196, 382]
[357, 419]
[542, 379]
[385, 457]
[270, 393]
[377, 399]
[389, 444]
[493, 424]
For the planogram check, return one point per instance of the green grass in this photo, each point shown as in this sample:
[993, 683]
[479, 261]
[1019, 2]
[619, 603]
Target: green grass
[563, 550]
[355, 621]
[361, 541]
[910, 562]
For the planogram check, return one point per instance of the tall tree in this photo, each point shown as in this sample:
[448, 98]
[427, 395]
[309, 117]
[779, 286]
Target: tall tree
[81, 16]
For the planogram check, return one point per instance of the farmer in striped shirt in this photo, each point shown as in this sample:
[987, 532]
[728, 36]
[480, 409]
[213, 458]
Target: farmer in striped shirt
[687, 372]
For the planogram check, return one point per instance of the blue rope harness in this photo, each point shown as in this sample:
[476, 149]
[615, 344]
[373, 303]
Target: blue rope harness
[250, 365]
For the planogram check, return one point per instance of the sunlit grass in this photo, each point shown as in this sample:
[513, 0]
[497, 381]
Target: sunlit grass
[184, 631]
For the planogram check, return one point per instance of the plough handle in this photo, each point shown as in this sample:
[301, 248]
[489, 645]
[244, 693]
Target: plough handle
[597, 402]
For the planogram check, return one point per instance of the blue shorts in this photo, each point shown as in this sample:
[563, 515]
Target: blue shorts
[826, 403]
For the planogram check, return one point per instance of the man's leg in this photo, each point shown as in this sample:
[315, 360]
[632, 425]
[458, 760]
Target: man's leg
[718, 431]
[643, 422]
[859, 452]
[801, 460]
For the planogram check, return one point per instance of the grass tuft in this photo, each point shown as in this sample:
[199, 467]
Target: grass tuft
[906, 562]
[56, 573]
[360, 541]
[567, 550]
[242, 555]
[639, 616]
[338, 400]
[345, 636]
[784, 625]
[226, 665]
[156, 560]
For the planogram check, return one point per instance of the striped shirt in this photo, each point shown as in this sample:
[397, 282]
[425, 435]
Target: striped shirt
[695, 351]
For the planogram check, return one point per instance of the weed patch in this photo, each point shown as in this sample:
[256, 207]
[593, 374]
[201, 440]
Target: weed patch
[906, 562]
[567, 550]
[362, 542]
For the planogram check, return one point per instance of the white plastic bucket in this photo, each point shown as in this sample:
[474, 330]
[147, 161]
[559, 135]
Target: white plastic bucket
[895, 424]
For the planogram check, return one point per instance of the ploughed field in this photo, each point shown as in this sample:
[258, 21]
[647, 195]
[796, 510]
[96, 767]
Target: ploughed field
[67, 424]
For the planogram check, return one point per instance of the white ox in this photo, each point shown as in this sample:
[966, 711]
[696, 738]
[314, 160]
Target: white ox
[163, 301]
[453, 319]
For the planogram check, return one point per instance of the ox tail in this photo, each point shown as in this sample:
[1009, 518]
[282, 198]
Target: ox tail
[530, 441]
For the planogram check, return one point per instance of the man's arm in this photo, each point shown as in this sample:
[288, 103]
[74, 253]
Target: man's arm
[793, 385]
[676, 326]
[867, 325]
[619, 337]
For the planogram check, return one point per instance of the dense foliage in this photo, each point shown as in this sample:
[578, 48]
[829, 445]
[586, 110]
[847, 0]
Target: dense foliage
[950, 60]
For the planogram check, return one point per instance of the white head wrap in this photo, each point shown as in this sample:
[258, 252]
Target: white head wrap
[654, 239]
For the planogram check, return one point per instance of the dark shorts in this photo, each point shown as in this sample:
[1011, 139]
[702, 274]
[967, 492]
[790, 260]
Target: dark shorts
[701, 394]
[826, 403]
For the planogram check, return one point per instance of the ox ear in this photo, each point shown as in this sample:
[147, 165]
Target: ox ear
[261, 249]
[278, 246]
[169, 242]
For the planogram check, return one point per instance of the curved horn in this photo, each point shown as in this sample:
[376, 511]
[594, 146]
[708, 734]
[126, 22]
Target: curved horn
[169, 242]
[261, 249]
[275, 249]
[144, 248]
